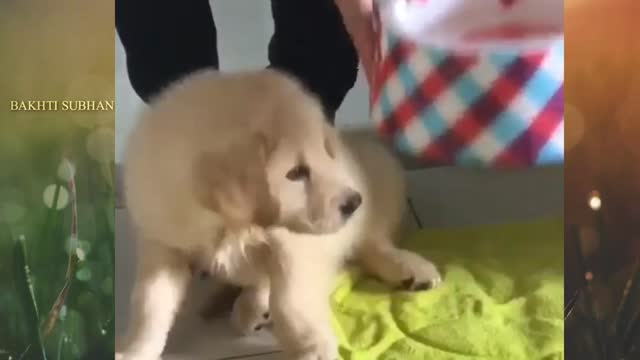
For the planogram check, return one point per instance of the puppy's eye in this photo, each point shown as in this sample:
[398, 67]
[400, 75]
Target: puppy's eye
[300, 172]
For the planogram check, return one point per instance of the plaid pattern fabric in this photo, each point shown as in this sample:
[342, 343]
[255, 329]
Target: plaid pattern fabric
[495, 109]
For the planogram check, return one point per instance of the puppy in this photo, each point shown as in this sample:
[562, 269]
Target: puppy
[241, 175]
[302, 265]
[214, 161]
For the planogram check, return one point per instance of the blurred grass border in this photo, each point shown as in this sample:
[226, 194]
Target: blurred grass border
[57, 196]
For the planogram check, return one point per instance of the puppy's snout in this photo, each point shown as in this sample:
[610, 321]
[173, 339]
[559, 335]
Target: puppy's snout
[351, 204]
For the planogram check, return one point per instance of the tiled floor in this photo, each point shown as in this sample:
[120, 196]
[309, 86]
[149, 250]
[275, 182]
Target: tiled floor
[441, 197]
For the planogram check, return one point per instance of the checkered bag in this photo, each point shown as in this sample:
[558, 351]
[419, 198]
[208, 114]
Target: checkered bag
[471, 82]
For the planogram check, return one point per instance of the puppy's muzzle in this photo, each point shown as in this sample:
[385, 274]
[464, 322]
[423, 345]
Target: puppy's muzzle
[351, 203]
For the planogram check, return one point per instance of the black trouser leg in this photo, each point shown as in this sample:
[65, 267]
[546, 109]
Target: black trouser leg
[311, 42]
[165, 40]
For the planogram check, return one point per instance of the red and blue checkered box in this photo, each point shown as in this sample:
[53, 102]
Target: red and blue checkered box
[472, 82]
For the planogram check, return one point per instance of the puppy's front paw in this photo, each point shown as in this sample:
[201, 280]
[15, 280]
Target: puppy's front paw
[250, 312]
[418, 273]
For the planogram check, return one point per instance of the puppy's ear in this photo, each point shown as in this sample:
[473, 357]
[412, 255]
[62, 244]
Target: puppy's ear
[263, 144]
[330, 141]
[233, 183]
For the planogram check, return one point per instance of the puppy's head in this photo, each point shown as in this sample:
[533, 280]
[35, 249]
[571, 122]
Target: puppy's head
[234, 184]
[305, 175]
[289, 175]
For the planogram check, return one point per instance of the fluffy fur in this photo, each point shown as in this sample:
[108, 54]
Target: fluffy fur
[241, 175]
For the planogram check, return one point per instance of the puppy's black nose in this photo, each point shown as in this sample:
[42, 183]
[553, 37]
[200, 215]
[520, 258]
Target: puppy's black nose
[351, 204]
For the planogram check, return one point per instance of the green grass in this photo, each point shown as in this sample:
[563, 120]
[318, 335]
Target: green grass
[56, 291]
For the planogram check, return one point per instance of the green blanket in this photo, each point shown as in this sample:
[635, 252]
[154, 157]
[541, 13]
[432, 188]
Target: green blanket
[502, 299]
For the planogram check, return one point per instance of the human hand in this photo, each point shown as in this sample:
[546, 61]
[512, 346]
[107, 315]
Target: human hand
[358, 18]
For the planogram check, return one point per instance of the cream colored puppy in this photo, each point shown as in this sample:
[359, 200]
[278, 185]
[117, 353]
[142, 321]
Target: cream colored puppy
[214, 160]
[303, 266]
[241, 175]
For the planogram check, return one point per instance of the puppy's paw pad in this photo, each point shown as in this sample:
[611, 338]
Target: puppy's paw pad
[412, 285]
[250, 325]
[249, 315]
[423, 275]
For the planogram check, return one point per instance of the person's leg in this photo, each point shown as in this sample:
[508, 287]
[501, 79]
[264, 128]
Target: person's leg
[165, 40]
[311, 43]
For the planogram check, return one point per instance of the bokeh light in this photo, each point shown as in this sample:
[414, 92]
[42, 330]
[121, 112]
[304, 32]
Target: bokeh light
[595, 203]
[48, 196]
[83, 274]
[80, 254]
[66, 170]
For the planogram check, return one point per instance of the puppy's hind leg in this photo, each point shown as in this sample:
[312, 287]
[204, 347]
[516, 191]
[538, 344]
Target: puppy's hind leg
[161, 282]
[250, 312]
[399, 267]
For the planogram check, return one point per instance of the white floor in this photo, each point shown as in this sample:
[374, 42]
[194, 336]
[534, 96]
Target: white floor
[441, 198]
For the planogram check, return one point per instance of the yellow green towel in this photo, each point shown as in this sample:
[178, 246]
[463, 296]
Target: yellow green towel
[502, 299]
